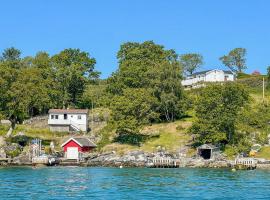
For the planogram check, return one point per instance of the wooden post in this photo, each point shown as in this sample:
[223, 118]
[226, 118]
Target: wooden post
[92, 118]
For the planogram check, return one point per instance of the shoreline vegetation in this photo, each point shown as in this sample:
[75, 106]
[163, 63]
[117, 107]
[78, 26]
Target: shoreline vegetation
[140, 111]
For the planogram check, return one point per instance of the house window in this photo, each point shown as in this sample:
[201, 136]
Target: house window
[79, 117]
[65, 116]
[52, 116]
[56, 116]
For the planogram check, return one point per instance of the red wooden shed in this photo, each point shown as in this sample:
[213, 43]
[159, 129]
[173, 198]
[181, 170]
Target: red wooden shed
[74, 147]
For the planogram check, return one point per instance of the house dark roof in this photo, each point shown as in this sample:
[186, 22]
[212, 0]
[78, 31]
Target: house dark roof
[82, 141]
[204, 72]
[69, 111]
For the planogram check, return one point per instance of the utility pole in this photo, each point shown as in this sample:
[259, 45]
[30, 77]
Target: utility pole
[92, 129]
[263, 89]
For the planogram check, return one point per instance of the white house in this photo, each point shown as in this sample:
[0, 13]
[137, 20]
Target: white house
[215, 75]
[68, 120]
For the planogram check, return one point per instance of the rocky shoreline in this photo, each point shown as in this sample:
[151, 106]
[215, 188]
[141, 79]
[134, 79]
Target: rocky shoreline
[133, 159]
[143, 159]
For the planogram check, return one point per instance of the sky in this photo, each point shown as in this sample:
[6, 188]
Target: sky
[209, 27]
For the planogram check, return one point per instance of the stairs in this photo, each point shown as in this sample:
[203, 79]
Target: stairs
[74, 128]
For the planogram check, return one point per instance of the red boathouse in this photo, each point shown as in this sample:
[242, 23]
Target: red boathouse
[75, 147]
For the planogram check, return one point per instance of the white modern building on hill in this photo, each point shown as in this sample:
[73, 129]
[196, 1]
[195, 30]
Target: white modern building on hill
[68, 120]
[215, 75]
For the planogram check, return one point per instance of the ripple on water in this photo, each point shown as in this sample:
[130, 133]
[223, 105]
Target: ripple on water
[133, 183]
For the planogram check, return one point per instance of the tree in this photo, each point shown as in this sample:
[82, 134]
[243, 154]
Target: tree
[27, 95]
[10, 66]
[149, 66]
[94, 95]
[136, 107]
[32, 85]
[72, 69]
[11, 54]
[235, 60]
[191, 62]
[217, 110]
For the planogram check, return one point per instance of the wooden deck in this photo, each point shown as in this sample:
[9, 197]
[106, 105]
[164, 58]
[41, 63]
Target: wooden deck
[245, 163]
[165, 162]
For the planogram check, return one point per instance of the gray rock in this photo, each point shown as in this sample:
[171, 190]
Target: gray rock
[2, 141]
[2, 153]
[21, 160]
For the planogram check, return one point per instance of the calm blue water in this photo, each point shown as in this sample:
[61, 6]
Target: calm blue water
[113, 183]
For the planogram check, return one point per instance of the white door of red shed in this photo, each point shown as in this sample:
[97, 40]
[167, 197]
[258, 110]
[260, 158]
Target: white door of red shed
[72, 153]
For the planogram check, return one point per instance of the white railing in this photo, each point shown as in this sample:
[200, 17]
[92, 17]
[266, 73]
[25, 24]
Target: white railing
[59, 121]
[71, 123]
[249, 162]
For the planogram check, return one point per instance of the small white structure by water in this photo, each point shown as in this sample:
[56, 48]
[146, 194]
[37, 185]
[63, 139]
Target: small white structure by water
[215, 75]
[68, 120]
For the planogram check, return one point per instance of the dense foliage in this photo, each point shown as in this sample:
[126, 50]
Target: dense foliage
[235, 59]
[191, 62]
[146, 87]
[217, 110]
[32, 85]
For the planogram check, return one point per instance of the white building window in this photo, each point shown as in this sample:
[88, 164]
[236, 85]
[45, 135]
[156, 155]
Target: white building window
[52, 116]
[56, 116]
[79, 117]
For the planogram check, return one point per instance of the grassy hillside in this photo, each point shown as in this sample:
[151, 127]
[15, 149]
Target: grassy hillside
[169, 136]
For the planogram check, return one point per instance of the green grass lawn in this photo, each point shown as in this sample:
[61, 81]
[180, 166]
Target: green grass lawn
[172, 136]
[3, 129]
[264, 153]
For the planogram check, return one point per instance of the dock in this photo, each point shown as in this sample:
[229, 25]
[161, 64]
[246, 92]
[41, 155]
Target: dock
[245, 163]
[165, 162]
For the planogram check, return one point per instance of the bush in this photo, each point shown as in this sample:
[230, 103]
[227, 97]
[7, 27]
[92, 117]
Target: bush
[180, 128]
[131, 138]
[13, 153]
[252, 82]
[230, 151]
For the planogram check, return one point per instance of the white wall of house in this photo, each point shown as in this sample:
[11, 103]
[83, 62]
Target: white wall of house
[69, 119]
[210, 76]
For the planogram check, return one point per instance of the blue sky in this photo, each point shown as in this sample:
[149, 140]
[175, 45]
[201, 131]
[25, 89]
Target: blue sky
[209, 27]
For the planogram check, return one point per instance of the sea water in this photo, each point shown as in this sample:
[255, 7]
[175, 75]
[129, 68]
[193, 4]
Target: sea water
[132, 183]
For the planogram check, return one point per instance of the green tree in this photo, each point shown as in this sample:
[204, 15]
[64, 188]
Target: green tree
[149, 66]
[94, 95]
[11, 54]
[72, 69]
[10, 66]
[136, 107]
[217, 111]
[27, 96]
[235, 60]
[191, 62]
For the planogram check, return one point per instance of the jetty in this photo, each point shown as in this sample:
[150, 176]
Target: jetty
[165, 162]
[245, 163]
